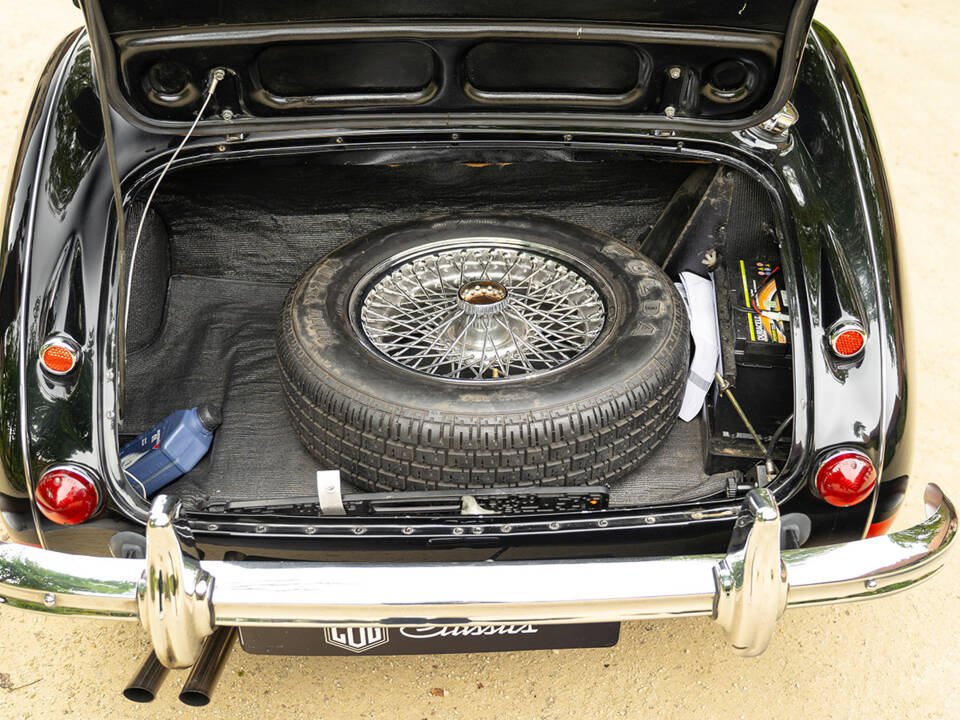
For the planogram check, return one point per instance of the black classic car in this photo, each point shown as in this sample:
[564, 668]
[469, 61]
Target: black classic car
[514, 321]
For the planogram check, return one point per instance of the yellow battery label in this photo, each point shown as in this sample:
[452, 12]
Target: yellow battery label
[765, 296]
[746, 299]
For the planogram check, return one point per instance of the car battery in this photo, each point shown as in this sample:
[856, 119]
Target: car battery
[762, 376]
[762, 340]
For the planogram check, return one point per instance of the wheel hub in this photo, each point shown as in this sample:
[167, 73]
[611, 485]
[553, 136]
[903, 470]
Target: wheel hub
[482, 297]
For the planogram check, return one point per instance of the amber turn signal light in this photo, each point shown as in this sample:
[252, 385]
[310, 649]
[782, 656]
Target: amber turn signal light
[59, 355]
[847, 341]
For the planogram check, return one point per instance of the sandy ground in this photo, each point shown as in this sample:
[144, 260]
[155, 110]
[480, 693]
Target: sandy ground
[890, 659]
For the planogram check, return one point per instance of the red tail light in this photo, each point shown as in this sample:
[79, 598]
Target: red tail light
[846, 478]
[847, 341]
[67, 495]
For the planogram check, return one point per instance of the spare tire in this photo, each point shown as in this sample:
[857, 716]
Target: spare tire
[466, 352]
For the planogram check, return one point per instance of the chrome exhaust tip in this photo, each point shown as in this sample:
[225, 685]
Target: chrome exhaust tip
[205, 673]
[146, 683]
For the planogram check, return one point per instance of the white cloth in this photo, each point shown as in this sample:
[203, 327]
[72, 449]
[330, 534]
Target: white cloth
[701, 300]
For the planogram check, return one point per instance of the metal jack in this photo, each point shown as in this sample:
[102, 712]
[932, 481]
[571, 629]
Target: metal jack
[769, 466]
[725, 389]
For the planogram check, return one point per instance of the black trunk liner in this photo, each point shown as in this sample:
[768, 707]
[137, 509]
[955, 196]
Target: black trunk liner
[216, 345]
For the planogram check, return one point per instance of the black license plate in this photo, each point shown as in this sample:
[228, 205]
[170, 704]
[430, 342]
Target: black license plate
[430, 640]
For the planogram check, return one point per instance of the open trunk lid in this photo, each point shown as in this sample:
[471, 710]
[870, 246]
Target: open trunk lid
[685, 64]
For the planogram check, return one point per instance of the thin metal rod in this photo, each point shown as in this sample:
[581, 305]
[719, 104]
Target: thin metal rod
[725, 389]
[215, 78]
[143, 687]
[203, 677]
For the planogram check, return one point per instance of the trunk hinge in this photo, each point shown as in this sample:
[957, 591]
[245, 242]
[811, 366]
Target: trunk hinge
[777, 128]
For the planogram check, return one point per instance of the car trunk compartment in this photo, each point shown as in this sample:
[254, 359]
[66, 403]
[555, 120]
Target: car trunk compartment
[225, 242]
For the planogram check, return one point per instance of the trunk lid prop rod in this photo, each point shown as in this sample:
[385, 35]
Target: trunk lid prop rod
[213, 80]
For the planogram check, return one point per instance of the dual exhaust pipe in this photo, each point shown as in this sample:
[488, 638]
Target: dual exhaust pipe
[203, 677]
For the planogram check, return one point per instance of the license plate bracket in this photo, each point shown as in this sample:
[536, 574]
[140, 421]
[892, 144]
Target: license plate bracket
[425, 640]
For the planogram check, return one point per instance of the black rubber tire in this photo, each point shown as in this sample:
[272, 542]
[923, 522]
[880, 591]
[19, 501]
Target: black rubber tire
[389, 428]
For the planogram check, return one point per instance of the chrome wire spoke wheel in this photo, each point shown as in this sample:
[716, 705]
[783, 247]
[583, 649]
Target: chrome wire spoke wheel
[481, 310]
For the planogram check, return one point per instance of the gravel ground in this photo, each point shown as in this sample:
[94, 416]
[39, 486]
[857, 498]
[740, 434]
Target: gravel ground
[889, 659]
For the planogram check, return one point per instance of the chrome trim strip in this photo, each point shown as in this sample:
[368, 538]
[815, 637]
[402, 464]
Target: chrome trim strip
[744, 590]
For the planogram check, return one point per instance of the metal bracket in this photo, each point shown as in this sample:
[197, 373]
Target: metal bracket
[781, 123]
[777, 128]
[329, 494]
[174, 592]
[752, 579]
[470, 506]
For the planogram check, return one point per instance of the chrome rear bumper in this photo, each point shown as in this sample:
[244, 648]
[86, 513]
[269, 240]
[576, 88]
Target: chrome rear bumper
[180, 600]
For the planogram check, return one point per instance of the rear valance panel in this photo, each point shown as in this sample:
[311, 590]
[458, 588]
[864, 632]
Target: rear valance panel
[719, 65]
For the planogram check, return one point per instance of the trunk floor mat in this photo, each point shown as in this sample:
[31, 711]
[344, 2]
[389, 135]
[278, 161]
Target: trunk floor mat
[216, 345]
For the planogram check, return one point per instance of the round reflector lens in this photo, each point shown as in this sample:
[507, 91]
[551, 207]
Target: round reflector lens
[848, 343]
[846, 478]
[58, 358]
[67, 496]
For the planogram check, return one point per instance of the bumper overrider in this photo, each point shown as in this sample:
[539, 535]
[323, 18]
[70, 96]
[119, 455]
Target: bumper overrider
[180, 601]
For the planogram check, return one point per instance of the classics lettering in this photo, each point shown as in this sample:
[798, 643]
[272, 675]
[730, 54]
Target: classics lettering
[418, 633]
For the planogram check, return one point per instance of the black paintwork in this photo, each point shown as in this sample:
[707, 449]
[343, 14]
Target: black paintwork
[60, 274]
